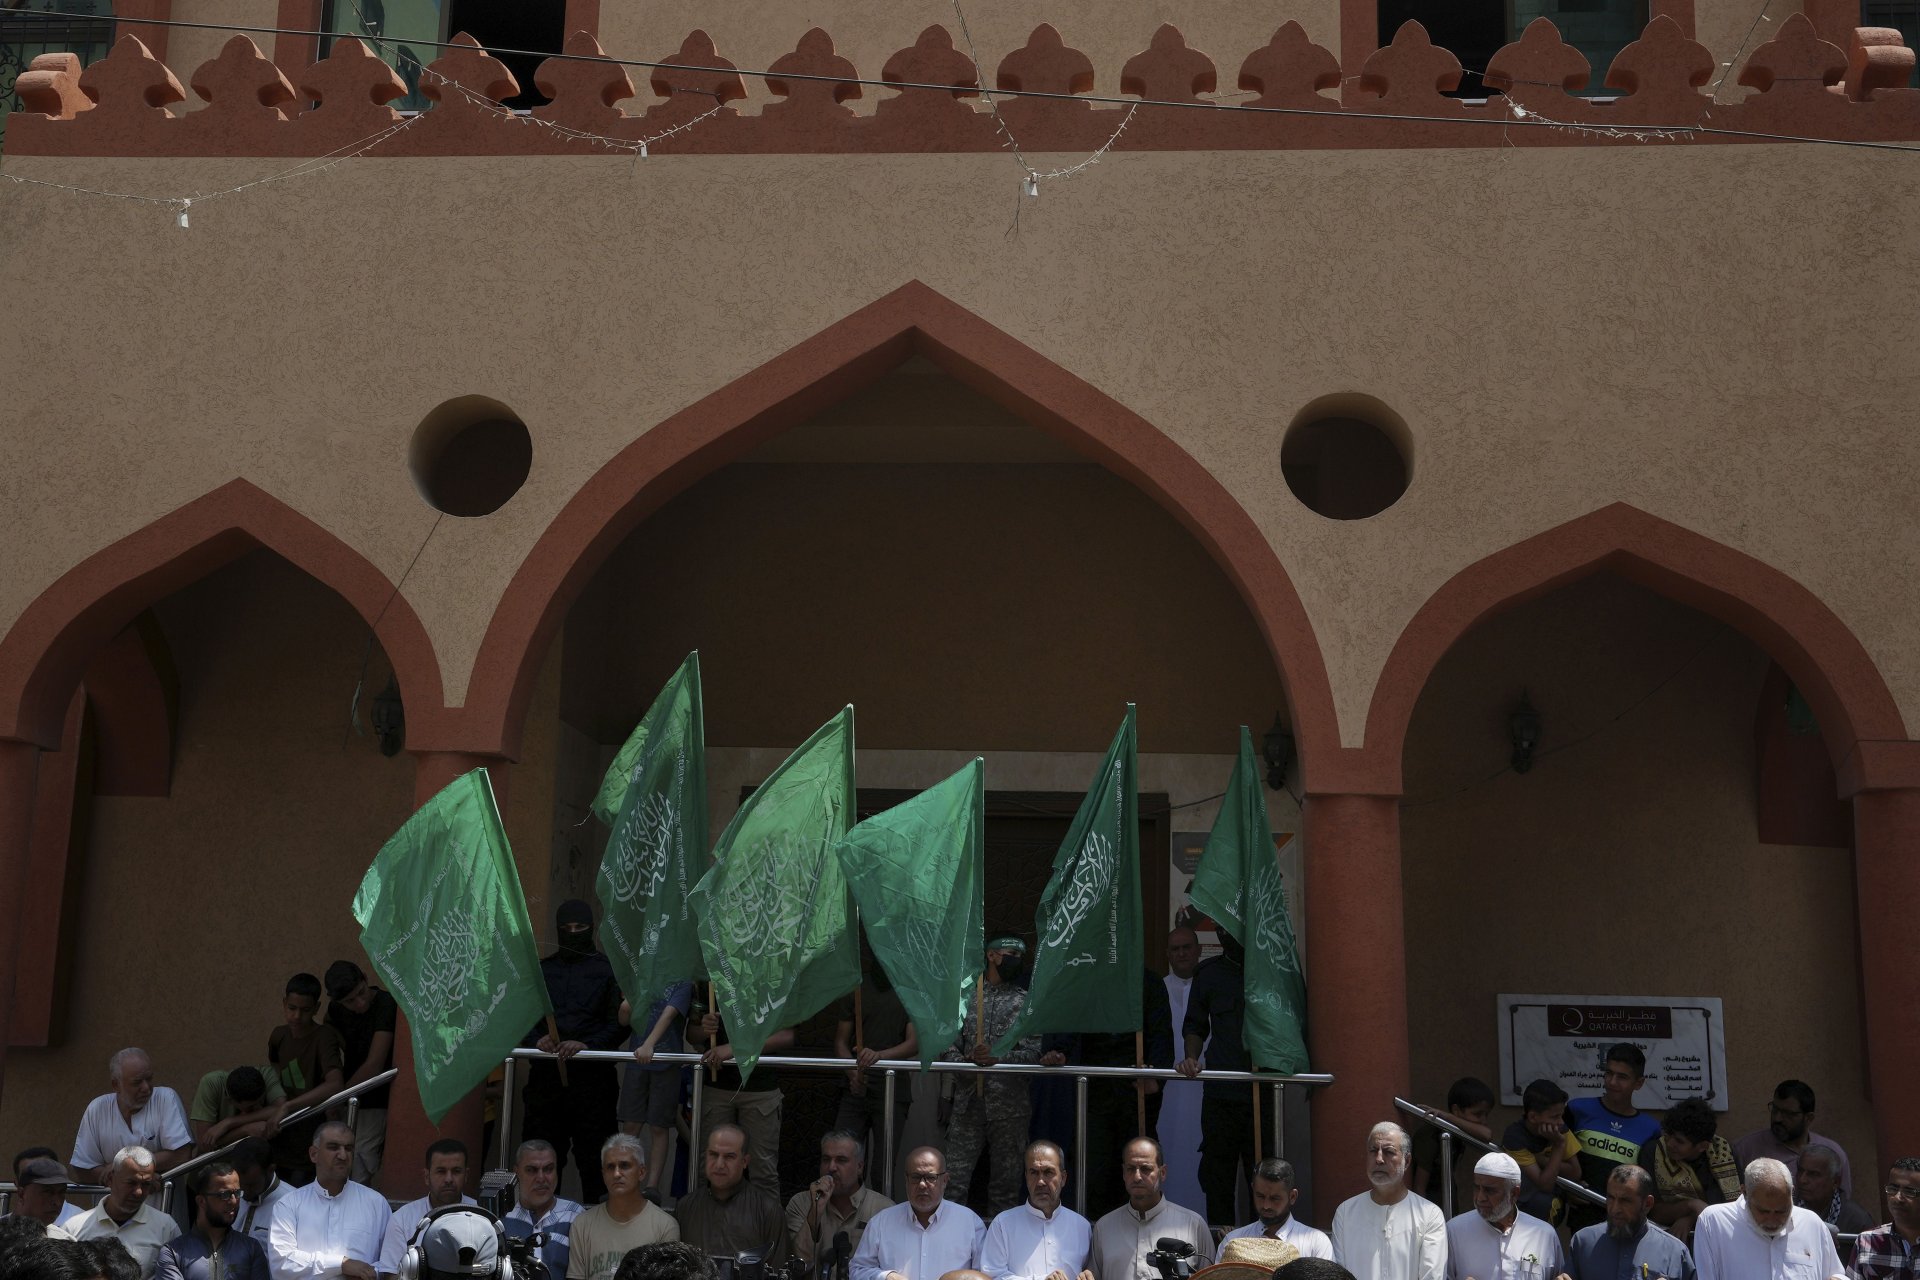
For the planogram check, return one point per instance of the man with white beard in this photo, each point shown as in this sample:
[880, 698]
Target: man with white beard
[1494, 1240]
[1762, 1235]
[1390, 1233]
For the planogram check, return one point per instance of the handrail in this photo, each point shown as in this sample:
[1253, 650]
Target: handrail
[347, 1094]
[913, 1064]
[1580, 1190]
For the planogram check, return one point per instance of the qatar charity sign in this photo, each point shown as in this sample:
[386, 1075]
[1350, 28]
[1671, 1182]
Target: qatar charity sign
[1565, 1039]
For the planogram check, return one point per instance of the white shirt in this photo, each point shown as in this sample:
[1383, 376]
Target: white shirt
[895, 1241]
[260, 1224]
[1728, 1246]
[159, 1126]
[1310, 1241]
[67, 1214]
[1122, 1239]
[313, 1232]
[1528, 1250]
[142, 1234]
[1406, 1240]
[400, 1229]
[1023, 1244]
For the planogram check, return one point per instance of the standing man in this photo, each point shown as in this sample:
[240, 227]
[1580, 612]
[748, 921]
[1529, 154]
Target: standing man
[312, 1067]
[1628, 1244]
[1179, 1122]
[125, 1215]
[1762, 1236]
[1273, 1198]
[1496, 1240]
[886, 1032]
[1389, 1233]
[602, 1235]
[537, 1207]
[1123, 1239]
[1609, 1128]
[260, 1189]
[577, 1115]
[134, 1112]
[727, 1216]
[1216, 1009]
[333, 1226]
[1789, 1132]
[998, 1117]
[213, 1250]
[445, 1175]
[752, 1103]
[924, 1238]
[837, 1201]
[1041, 1239]
[365, 1016]
[1893, 1251]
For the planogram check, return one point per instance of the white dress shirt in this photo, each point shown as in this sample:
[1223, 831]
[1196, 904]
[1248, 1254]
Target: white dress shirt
[142, 1234]
[1122, 1240]
[1728, 1246]
[1405, 1240]
[257, 1220]
[1024, 1244]
[1310, 1241]
[895, 1241]
[1478, 1250]
[161, 1125]
[400, 1229]
[313, 1232]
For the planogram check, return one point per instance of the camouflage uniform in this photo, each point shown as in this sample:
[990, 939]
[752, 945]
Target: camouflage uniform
[999, 1119]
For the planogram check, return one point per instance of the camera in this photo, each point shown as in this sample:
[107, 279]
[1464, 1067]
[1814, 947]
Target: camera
[1173, 1259]
[523, 1257]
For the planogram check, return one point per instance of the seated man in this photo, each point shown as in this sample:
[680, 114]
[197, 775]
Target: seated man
[211, 1249]
[333, 1226]
[838, 1201]
[260, 1187]
[444, 1176]
[40, 1192]
[1041, 1239]
[668, 1260]
[1494, 1235]
[1628, 1243]
[1469, 1104]
[20, 1162]
[134, 1113]
[537, 1207]
[1789, 1132]
[1892, 1251]
[1691, 1166]
[1545, 1151]
[234, 1104]
[1123, 1238]
[1762, 1236]
[1273, 1198]
[124, 1214]
[1817, 1187]
[728, 1216]
[603, 1235]
[924, 1238]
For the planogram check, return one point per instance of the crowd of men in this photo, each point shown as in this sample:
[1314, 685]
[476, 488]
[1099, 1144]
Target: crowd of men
[287, 1198]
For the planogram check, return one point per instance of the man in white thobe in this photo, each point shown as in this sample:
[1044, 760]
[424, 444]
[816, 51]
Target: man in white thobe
[1273, 1199]
[1123, 1238]
[1041, 1239]
[1494, 1240]
[1389, 1233]
[924, 1238]
[333, 1226]
[1179, 1126]
[1762, 1235]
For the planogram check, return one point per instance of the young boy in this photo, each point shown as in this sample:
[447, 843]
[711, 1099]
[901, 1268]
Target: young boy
[1610, 1128]
[1469, 1104]
[1539, 1141]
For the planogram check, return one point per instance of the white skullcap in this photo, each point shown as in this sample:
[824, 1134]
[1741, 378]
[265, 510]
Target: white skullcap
[1498, 1164]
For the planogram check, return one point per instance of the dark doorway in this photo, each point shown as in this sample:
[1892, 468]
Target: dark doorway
[537, 26]
[1473, 32]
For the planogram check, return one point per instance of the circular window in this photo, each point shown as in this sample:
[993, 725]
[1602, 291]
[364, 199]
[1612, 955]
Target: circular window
[1347, 457]
[470, 455]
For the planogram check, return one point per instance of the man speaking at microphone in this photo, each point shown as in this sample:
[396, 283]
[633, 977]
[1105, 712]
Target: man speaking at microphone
[835, 1202]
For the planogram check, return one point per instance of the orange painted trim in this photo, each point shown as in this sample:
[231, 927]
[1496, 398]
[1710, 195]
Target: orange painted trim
[48, 647]
[294, 54]
[583, 15]
[135, 708]
[1819, 653]
[19, 767]
[61, 788]
[823, 370]
[1359, 40]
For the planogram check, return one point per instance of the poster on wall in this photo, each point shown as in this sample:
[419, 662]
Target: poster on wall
[1565, 1039]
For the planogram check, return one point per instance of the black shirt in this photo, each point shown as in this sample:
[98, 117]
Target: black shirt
[1216, 1006]
[357, 1031]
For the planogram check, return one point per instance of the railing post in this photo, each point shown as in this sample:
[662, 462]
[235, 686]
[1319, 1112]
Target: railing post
[694, 1148]
[1279, 1121]
[1080, 1145]
[887, 1137]
[166, 1198]
[353, 1111]
[505, 1120]
[1446, 1170]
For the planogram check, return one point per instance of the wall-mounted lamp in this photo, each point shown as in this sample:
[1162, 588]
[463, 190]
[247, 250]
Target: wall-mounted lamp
[390, 719]
[1523, 726]
[1276, 747]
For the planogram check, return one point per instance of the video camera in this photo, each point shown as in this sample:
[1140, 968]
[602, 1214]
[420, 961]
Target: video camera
[1172, 1258]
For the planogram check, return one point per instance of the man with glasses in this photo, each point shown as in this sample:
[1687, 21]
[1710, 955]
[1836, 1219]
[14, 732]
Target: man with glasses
[1892, 1252]
[924, 1238]
[1789, 1132]
[1389, 1233]
[212, 1249]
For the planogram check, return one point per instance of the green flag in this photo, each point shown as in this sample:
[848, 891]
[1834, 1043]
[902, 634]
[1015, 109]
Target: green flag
[918, 873]
[441, 914]
[657, 792]
[1238, 884]
[1088, 965]
[776, 920]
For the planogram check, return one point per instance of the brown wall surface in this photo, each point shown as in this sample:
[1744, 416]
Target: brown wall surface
[1627, 863]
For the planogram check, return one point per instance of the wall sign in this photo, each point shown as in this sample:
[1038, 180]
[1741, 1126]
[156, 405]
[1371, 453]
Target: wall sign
[1565, 1039]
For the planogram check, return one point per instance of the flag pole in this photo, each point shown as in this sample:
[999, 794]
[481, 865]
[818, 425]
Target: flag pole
[1139, 1098]
[1256, 1121]
[980, 1032]
[713, 1004]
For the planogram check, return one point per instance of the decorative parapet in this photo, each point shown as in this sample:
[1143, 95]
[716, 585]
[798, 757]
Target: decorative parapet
[1804, 87]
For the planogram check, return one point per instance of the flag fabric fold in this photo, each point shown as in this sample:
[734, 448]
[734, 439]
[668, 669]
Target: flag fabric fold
[918, 874]
[655, 799]
[442, 916]
[775, 917]
[1238, 883]
[1088, 959]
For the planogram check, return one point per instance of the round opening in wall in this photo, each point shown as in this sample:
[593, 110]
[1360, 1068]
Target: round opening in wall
[470, 455]
[1347, 457]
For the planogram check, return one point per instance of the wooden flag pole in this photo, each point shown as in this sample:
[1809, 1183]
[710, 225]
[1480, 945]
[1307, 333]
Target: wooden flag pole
[1256, 1122]
[553, 1030]
[980, 1032]
[713, 1005]
[1139, 1098]
[859, 1018]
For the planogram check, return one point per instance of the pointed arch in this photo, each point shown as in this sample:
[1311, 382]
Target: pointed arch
[823, 370]
[1824, 658]
[47, 650]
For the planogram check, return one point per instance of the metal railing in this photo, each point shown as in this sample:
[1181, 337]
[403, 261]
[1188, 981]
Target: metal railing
[1450, 1133]
[890, 1068]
